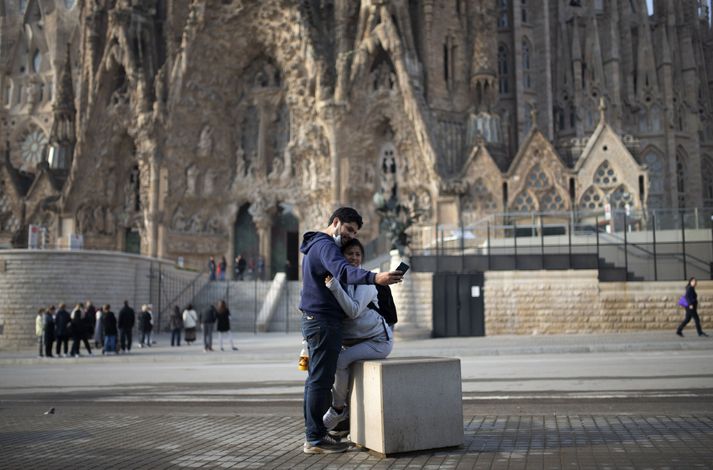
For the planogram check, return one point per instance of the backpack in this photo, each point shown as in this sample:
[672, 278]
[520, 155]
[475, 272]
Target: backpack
[386, 307]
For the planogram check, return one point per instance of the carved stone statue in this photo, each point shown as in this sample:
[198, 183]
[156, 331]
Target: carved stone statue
[205, 143]
[191, 177]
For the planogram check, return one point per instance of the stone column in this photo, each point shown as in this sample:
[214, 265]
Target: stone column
[330, 114]
[264, 232]
[152, 216]
[404, 294]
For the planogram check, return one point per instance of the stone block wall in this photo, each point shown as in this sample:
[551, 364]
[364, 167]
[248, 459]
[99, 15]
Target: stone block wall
[414, 300]
[551, 302]
[31, 279]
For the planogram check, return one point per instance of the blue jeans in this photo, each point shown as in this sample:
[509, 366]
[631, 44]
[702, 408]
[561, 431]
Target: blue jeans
[324, 341]
[110, 343]
[176, 337]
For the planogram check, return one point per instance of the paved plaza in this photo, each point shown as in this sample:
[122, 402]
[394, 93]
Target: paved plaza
[634, 401]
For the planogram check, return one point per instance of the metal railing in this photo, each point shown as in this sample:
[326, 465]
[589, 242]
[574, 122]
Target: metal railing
[650, 245]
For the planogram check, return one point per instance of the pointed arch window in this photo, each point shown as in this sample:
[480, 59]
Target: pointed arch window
[681, 178]
[655, 164]
[524, 202]
[552, 201]
[503, 70]
[36, 61]
[537, 179]
[707, 178]
[526, 51]
[620, 198]
[592, 199]
[605, 175]
[503, 17]
[523, 10]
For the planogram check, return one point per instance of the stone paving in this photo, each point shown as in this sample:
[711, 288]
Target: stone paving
[124, 440]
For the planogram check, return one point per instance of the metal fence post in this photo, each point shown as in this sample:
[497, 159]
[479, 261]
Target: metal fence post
[569, 239]
[514, 237]
[542, 243]
[656, 271]
[287, 305]
[490, 248]
[255, 309]
[596, 231]
[160, 281]
[683, 245]
[626, 246]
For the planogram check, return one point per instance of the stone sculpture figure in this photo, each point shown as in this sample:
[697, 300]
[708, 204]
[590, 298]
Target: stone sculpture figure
[205, 143]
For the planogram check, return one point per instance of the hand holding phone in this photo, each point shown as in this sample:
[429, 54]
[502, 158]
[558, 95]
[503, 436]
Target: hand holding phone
[402, 267]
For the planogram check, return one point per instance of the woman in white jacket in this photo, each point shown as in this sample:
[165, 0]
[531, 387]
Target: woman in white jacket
[365, 333]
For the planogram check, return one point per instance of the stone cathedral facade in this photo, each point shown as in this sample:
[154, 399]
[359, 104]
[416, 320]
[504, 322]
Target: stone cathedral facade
[180, 128]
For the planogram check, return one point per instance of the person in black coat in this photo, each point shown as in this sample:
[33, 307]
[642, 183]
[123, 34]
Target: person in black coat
[78, 331]
[208, 319]
[90, 319]
[692, 309]
[146, 325]
[48, 331]
[61, 329]
[110, 329]
[127, 318]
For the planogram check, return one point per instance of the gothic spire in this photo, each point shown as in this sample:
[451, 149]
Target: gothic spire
[62, 135]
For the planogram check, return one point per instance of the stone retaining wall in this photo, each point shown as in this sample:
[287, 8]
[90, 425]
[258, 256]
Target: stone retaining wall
[30, 279]
[549, 302]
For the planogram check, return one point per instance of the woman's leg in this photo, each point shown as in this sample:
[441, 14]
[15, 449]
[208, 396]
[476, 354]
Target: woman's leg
[358, 352]
[697, 320]
[685, 321]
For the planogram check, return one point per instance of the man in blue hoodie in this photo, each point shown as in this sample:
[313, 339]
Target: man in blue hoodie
[322, 318]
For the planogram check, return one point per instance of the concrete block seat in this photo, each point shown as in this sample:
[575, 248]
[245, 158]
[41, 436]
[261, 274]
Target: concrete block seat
[406, 404]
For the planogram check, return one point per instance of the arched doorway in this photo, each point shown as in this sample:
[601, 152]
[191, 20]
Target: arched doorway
[246, 241]
[285, 242]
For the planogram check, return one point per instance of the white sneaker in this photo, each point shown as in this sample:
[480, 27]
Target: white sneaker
[332, 417]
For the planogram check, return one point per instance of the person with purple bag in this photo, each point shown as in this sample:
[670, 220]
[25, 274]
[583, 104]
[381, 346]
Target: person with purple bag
[689, 301]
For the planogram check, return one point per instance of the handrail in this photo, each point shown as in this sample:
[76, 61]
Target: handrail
[183, 291]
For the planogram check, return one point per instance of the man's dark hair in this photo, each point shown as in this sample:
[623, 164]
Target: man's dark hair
[346, 215]
[353, 242]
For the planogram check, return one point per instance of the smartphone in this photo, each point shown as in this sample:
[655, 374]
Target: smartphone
[403, 267]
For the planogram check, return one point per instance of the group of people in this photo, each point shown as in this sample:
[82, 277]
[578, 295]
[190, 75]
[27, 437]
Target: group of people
[55, 326]
[216, 316]
[218, 271]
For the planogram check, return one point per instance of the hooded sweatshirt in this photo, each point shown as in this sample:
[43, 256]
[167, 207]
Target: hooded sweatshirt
[323, 257]
[362, 323]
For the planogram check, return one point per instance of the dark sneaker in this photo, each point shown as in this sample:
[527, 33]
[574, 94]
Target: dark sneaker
[327, 445]
[703, 334]
[679, 334]
[341, 430]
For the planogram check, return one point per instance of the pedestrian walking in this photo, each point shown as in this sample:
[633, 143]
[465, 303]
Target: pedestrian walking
[126, 320]
[240, 264]
[176, 324]
[222, 267]
[39, 331]
[208, 320]
[61, 330]
[48, 331]
[689, 302]
[211, 269]
[79, 331]
[146, 323]
[223, 324]
[109, 324]
[190, 321]
[98, 329]
[90, 317]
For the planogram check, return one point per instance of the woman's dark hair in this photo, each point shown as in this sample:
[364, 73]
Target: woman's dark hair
[190, 307]
[353, 242]
[346, 215]
[176, 309]
[693, 278]
[222, 308]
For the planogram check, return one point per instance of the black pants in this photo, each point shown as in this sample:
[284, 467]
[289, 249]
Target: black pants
[176, 337]
[125, 339]
[48, 347]
[77, 344]
[691, 313]
[62, 340]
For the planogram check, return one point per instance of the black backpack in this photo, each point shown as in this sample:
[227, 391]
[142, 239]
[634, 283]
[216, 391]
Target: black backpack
[386, 308]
